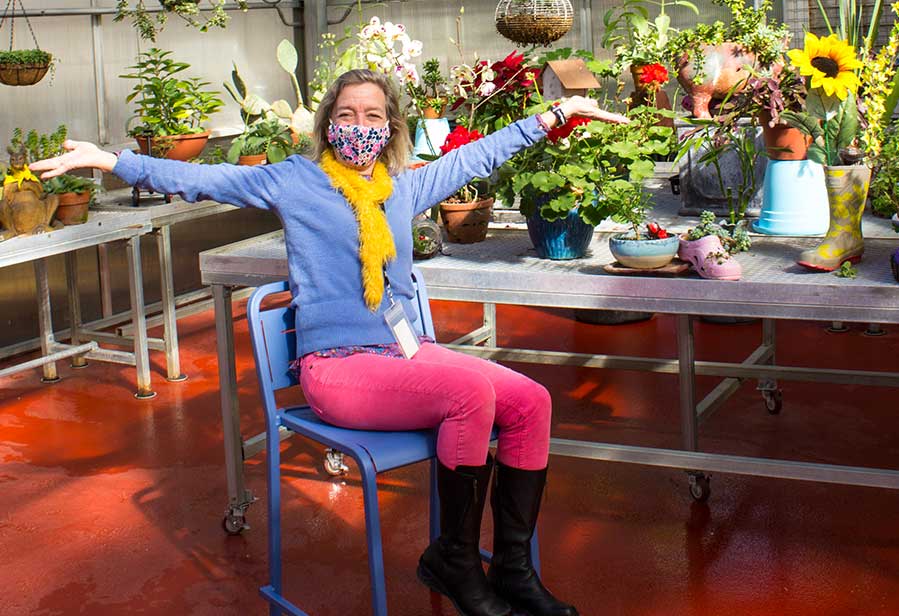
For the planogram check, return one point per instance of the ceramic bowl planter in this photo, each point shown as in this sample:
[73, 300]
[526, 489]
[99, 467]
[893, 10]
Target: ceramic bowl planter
[73, 208]
[723, 68]
[563, 239]
[175, 147]
[643, 253]
[466, 223]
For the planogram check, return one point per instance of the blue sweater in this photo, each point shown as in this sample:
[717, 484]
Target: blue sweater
[320, 228]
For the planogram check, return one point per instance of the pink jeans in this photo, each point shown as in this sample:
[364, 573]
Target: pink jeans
[462, 396]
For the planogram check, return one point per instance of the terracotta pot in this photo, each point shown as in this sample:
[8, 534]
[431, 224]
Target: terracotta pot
[724, 66]
[466, 223]
[183, 147]
[73, 208]
[782, 141]
[252, 159]
[429, 113]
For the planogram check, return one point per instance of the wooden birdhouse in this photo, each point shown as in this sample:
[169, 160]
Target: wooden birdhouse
[566, 78]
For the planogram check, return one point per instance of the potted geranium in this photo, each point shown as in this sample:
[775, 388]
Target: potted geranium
[583, 172]
[466, 214]
[170, 108]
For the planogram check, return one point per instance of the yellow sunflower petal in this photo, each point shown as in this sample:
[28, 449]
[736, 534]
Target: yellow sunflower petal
[811, 44]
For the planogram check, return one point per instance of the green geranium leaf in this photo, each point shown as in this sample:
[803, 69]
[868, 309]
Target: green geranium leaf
[572, 171]
[641, 169]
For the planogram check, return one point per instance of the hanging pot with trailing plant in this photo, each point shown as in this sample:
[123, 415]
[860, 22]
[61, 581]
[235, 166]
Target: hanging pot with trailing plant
[22, 67]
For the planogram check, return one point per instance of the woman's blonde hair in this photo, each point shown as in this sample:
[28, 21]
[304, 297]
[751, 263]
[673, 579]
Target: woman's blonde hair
[396, 152]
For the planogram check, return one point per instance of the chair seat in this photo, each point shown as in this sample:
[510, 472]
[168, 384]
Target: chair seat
[387, 449]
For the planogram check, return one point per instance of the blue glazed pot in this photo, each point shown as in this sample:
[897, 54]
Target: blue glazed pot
[643, 254]
[566, 238]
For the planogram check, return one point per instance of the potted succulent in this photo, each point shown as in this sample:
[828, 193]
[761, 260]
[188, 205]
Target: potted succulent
[75, 193]
[580, 174]
[708, 247]
[713, 60]
[265, 140]
[170, 108]
[24, 67]
[651, 249]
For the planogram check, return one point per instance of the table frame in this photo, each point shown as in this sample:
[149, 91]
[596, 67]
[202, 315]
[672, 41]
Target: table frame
[258, 260]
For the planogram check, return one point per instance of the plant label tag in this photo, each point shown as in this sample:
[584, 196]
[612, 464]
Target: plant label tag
[402, 331]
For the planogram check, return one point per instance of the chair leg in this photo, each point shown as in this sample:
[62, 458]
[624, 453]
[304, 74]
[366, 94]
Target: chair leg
[274, 514]
[373, 537]
[434, 504]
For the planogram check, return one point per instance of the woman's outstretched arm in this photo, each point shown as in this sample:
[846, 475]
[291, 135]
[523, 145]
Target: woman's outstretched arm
[258, 186]
[438, 180]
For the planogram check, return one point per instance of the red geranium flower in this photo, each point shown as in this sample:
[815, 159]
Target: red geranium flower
[653, 75]
[560, 132]
[459, 137]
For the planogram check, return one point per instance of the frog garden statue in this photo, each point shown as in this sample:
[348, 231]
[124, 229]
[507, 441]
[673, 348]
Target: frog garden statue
[25, 208]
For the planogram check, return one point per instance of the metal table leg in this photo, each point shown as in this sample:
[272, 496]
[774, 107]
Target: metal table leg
[771, 393]
[44, 319]
[139, 319]
[105, 282]
[78, 361]
[686, 358]
[169, 323]
[239, 497]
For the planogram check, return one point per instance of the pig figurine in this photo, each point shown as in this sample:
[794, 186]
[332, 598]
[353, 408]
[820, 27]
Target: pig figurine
[724, 66]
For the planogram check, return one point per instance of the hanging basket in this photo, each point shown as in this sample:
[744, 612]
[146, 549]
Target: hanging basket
[22, 74]
[534, 22]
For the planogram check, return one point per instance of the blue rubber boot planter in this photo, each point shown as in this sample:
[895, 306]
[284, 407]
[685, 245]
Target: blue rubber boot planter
[794, 199]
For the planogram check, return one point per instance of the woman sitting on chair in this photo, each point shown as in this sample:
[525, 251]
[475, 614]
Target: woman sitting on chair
[346, 217]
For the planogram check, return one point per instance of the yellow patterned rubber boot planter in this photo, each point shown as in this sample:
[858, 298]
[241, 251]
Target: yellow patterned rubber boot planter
[847, 190]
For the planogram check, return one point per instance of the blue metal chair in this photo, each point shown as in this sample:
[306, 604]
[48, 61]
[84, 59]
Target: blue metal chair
[274, 348]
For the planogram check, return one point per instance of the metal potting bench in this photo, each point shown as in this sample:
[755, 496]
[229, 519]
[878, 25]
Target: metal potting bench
[505, 270]
[101, 228]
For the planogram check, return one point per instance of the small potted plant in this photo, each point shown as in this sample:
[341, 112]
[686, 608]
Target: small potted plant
[651, 249]
[24, 67]
[170, 108]
[466, 214]
[433, 91]
[708, 247]
[265, 140]
[75, 193]
[579, 175]
[713, 60]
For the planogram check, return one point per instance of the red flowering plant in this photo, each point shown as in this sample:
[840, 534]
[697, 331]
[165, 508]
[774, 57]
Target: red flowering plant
[594, 167]
[457, 138]
[652, 76]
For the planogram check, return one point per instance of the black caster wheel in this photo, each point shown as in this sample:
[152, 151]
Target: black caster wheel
[774, 401]
[700, 487]
[233, 524]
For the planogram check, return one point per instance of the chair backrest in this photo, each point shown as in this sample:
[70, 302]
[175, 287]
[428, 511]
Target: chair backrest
[273, 334]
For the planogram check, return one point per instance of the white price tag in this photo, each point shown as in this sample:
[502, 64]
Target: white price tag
[401, 328]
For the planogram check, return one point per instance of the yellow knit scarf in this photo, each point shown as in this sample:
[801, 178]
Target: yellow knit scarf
[376, 247]
[19, 176]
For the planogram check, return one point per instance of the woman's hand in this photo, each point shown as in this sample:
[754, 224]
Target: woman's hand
[583, 107]
[80, 155]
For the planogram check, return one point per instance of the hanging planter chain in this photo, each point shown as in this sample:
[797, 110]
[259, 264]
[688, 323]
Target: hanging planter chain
[16, 72]
[12, 22]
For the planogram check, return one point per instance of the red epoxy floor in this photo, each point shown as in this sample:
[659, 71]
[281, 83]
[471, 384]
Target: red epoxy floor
[111, 505]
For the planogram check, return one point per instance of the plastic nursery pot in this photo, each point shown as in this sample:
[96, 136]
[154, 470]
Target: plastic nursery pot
[73, 208]
[251, 160]
[175, 147]
[643, 254]
[782, 141]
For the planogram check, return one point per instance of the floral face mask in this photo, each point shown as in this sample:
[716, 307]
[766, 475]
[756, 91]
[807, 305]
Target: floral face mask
[357, 145]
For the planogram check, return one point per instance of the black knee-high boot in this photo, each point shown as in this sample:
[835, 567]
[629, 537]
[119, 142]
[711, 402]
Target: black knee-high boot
[516, 504]
[451, 565]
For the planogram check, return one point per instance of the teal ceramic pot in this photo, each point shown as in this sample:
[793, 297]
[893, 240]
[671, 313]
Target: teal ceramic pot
[643, 254]
[563, 239]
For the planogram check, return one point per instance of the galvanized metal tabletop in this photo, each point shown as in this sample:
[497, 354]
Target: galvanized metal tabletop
[505, 269]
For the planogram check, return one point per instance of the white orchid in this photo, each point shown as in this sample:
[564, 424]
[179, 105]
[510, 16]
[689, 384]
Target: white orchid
[486, 88]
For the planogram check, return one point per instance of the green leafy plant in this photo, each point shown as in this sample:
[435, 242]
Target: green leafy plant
[635, 36]
[432, 92]
[26, 56]
[167, 104]
[885, 176]
[265, 136]
[149, 24]
[733, 241]
[846, 270]
[39, 146]
[593, 166]
[749, 27]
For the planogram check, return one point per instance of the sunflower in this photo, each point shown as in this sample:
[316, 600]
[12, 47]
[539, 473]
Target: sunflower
[830, 62]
